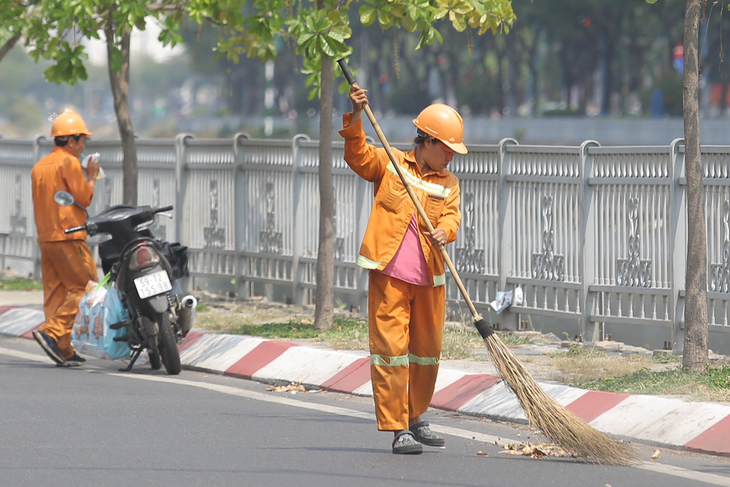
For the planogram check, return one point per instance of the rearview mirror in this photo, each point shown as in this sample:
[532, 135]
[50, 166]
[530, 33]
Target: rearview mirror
[64, 198]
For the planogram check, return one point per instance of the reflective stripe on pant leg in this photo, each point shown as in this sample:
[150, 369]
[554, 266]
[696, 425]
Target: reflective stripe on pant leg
[388, 317]
[426, 342]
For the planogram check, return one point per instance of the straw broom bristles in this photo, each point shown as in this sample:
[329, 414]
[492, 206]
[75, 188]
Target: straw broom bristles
[557, 423]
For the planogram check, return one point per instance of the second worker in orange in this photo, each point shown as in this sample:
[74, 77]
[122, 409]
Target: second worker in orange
[66, 262]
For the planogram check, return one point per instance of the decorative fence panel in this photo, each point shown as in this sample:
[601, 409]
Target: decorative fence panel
[717, 190]
[546, 207]
[634, 233]
[595, 236]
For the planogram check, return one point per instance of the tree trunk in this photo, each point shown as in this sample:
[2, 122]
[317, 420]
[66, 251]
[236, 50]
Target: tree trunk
[607, 72]
[501, 101]
[120, 90]
[568, 77]
[695, 311]
[324, 309]
[533, 64]
[8, 46]
[512, 70]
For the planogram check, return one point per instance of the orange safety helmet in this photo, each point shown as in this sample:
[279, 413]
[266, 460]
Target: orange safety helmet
[443, 123]
[69, 123]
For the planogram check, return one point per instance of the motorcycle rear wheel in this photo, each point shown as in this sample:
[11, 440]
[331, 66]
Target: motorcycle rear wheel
[168, 345]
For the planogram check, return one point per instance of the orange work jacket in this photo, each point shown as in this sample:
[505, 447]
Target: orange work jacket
[59, 170]
[438, 193]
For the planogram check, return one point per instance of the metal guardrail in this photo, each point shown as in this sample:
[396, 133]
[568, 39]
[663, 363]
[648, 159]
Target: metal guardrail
[595, 236]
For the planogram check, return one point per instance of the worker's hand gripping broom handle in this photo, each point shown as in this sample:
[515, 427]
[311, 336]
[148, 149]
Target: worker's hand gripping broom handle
[484, 328]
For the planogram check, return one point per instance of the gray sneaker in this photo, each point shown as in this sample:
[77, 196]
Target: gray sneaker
[424, 435]
[49, 346]
[405, 444]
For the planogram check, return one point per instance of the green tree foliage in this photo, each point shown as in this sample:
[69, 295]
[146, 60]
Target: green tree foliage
[549, 55]
[57, 29]
[319, 33]
[16, 16]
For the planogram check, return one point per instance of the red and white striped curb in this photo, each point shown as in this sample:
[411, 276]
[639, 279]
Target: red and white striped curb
[671, 423]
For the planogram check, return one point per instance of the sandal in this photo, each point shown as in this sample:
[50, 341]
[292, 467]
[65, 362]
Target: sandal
[424, 435]
[405, 443]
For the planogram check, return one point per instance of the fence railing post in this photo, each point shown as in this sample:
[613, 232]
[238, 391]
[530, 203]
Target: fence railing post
[36, 248]
[180, 211]
[586, 271]
[298, 294]
[241, 288]
[677, 245]
[507, 320]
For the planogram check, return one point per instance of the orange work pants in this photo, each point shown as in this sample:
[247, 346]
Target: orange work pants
[406, 324]
[66, 268]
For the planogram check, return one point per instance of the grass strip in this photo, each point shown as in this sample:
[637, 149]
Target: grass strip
[352, 334]
[711, 384]
[20, 284]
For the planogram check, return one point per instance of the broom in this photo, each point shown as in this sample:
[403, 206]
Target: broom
[558, 424]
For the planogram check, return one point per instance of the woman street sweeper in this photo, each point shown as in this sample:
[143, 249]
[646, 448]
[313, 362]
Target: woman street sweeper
[406, 294]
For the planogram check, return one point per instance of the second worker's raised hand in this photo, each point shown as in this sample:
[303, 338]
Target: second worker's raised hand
[92, 169]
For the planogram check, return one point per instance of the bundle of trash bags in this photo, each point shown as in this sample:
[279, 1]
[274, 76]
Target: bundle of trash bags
[93, 333]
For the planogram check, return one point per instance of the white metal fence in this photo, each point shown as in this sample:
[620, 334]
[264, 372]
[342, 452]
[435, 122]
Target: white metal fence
[595, 236]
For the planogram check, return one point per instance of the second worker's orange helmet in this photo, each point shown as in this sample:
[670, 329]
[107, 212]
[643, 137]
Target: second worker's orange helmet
[69, 123]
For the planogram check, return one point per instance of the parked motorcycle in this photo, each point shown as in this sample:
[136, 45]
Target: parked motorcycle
[146, 271]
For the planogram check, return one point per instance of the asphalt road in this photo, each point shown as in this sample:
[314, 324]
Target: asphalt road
[95, 426]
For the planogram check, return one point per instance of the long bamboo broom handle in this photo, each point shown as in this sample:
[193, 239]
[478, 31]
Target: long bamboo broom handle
[484, 328]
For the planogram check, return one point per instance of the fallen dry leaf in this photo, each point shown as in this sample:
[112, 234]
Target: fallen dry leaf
[656, 454]
[536, 450]
[482, 453]
[293, 387]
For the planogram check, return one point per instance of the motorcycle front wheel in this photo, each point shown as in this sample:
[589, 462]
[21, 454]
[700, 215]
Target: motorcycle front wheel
[168, 345]
[155, 362]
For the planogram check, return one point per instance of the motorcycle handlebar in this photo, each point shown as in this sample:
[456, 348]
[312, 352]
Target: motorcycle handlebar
[92, 227]
[75, 229]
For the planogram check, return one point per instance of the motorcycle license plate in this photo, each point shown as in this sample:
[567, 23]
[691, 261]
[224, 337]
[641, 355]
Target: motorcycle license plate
[152, 284]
